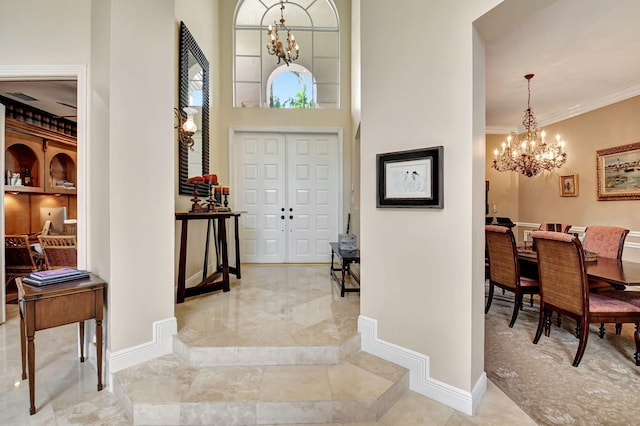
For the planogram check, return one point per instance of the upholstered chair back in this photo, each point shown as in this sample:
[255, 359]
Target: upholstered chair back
[563, 277]
[503, 257]
[556, 227]
[605, 241]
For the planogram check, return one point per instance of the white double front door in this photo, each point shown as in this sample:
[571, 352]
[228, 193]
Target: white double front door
[289, 185]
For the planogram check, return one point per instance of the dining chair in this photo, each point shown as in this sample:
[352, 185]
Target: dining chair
[19, 261]
[564, 288]
[604, 241]
[555, 227]
[504, 268]
[59, 251]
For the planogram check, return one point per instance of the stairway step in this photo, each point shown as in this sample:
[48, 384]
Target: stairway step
[198, 356]
[168, 390]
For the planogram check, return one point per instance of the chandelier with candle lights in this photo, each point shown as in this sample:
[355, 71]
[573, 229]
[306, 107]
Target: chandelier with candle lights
[529, 153]
[288, 51]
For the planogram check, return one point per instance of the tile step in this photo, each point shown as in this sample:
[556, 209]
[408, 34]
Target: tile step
[167, 390]
[197, 356]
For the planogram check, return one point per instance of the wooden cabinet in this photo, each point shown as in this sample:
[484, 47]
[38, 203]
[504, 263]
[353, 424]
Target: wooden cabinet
[24, 152]
[50, 158]
[60, 169]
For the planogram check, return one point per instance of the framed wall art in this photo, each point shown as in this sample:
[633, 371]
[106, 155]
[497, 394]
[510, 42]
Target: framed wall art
[618, 172]
[410, 178]
[569, 186]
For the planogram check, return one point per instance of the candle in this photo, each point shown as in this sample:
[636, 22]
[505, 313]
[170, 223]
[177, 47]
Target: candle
[218, 190]
[225, 190]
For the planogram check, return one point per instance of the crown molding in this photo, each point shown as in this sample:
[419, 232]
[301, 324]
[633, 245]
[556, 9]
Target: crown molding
[545, 120]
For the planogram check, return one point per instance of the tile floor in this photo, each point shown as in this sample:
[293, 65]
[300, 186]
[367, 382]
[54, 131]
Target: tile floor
[271, 305]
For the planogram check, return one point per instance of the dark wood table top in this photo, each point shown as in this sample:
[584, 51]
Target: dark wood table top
[621, 272]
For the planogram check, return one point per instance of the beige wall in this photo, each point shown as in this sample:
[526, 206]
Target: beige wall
[277, 118]
[419, 269]
[537, 199]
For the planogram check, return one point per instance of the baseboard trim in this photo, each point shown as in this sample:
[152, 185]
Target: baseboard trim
[418, 366]
[161, 344]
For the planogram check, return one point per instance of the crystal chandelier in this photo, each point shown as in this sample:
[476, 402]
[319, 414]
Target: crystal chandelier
[289, 52]
[528, 153]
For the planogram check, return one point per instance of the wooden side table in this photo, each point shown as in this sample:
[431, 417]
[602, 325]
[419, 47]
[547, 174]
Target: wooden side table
[219, 279]
[54, 305]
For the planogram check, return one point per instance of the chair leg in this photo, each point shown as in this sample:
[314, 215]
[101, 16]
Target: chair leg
[489, 297]
[578, 330]
[601, 331]
[531, 300]
[618, 328]
[547, 325]
[541, 320]
[516, 307]
[559, 320]
[584, 336]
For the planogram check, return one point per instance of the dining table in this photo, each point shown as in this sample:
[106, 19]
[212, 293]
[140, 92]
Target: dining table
[618, 273]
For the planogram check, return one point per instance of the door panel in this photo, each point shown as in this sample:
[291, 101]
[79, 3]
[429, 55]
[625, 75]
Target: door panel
[261, 189]
[289, 186]
[313, 196]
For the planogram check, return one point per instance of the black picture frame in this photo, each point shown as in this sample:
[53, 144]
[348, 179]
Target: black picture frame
[410, 178]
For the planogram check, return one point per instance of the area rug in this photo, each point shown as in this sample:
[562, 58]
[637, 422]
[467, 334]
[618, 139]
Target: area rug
[603, 390]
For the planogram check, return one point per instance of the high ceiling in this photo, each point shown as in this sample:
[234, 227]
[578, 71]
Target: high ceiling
[585, 54]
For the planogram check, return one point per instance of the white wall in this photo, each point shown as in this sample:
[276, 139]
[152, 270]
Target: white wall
[130, 145]
[419, 272]
[141, 168]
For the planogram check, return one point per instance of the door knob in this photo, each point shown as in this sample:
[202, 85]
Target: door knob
[283, 209]
[282, 217]
[291, 217]
[290, 209]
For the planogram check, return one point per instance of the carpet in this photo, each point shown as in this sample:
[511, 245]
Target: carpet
[603, 390]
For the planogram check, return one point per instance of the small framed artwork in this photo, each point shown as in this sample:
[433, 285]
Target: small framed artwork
[410, 178]
[618, 172]
[569, 186]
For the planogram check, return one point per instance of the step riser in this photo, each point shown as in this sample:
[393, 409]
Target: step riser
[269, 413]
[260, 355]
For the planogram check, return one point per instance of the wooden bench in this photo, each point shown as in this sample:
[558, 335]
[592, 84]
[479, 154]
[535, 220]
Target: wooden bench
[346, 258]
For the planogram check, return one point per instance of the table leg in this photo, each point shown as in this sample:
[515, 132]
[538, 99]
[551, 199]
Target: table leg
[23, 342]
[99, 349]
[331, 270]
[182, 263]
[81, 329]
[343, 271]
[222, 231]
[237, 241]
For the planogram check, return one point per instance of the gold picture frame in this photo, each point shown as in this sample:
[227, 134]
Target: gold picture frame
[618, 173]
[569, 185]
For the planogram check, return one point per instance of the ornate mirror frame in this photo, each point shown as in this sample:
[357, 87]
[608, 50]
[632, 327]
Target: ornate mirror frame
[189, 48]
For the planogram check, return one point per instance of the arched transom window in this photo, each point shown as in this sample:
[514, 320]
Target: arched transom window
[257, 75]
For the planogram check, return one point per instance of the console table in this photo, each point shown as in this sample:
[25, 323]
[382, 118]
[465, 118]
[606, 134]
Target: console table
[346, 258]
[54, 305]
[219, 279]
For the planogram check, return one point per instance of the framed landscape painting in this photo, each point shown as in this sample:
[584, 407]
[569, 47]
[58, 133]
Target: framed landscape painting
[618, 172]
[410, 178]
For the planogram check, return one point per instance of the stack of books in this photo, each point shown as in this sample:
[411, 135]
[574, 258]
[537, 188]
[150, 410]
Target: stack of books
[54, 276]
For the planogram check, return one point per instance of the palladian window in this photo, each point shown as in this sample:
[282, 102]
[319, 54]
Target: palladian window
[312, 80]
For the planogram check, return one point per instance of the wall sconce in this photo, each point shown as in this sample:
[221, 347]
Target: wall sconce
[186, 126]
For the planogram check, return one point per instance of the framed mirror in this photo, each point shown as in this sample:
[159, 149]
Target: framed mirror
[194, 93]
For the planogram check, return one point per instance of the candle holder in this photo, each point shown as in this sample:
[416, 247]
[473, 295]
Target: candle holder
[195, 201]
[211, 201]
[226, 200]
